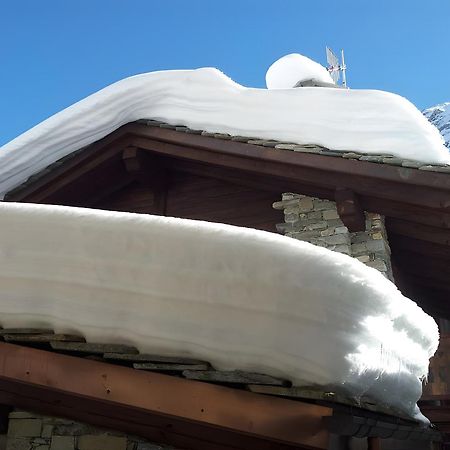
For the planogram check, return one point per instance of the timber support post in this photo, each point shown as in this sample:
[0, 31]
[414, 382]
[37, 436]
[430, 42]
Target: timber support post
[149, 172]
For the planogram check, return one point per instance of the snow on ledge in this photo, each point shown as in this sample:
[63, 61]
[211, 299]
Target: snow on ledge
[237, 297]
[367, 121]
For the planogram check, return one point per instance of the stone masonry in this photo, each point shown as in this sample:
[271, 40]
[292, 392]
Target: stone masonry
[317, 221]
[29, 431]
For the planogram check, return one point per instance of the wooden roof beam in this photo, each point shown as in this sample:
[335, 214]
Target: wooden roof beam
[183, 413]
[349, 210]
[360, 176]
[150, 173]
[419, 196]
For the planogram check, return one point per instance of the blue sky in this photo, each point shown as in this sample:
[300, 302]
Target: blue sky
[55, 52]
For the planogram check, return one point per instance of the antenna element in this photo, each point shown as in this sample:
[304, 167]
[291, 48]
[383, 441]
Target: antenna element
[334, 68]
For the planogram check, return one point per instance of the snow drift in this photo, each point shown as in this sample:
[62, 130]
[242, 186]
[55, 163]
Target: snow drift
[240, 298]
[291, 69]
[367, 121]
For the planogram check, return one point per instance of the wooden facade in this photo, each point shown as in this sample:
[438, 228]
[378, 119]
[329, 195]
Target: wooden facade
[201, 198]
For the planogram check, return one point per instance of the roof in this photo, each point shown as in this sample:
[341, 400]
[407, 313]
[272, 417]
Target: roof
[366, 120]
[161, 283]
[307, 148]
[419, 240]
[200, 404]
[415, 201]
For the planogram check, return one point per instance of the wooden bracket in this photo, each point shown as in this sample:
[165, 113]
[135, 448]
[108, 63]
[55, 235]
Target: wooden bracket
[146, 168]
[149, 172]
[349, 210]
[132, 160]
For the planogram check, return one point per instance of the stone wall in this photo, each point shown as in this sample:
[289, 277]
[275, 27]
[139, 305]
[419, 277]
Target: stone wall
[29, 431]
[317, 221]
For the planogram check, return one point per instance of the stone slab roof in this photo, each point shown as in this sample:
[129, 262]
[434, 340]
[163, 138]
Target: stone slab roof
[192, 369]
[307, 148]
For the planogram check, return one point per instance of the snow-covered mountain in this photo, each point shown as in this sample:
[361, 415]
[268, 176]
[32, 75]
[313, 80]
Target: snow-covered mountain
[439, 116]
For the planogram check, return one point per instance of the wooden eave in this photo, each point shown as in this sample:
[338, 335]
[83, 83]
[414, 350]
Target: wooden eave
[179, 412]
[416, 203]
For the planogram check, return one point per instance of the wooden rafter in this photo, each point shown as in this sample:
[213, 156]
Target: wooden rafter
[349, 210]
[149, 172]
[184, 413]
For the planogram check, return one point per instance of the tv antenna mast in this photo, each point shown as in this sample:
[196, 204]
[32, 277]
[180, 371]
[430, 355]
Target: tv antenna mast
[335, 68]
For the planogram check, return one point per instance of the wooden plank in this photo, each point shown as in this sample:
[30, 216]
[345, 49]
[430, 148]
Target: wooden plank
[360, 176]
[440, 236]
[93, 185]
[150, 173]
[434, 284]
[417, 264]
[169, 431]
[133, 197]
[277, 184]
[342, 165]
[167, 409]
[429, 250]
[96, 154]
[202, 198]
[364, 178]
[318, 177]
[245, 178]
[431, 191]
[402, 210]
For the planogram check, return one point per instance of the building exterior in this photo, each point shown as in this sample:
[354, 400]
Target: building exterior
[390, 214]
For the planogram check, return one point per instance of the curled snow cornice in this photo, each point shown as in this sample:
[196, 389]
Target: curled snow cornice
[365, 121]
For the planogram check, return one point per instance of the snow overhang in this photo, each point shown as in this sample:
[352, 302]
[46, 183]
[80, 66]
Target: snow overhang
[204, 416]
[415, 202]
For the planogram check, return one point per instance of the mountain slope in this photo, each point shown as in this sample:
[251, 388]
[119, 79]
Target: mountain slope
[439, 116]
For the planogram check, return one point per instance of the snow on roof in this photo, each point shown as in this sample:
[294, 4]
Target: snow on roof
[368, 121]
[291, 69]
[237, 297]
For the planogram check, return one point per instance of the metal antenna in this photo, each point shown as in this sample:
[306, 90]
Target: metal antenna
[334, 68]
[343, 69]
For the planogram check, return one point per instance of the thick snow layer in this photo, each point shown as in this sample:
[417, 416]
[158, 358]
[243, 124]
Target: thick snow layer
[439, 116]
[287, 71]
[238, 297]
[340, 119]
